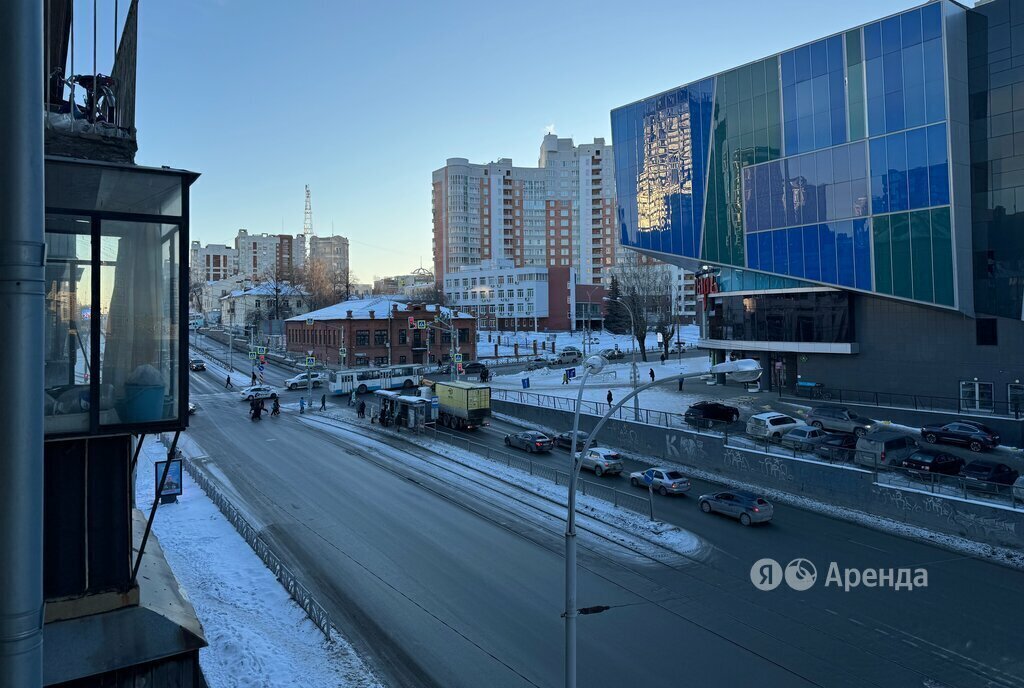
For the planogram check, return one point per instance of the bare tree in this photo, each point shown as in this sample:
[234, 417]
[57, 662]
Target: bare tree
[196, 286]
[646, 290]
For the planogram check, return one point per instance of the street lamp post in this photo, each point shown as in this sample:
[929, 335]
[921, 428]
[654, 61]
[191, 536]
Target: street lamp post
[594, 364]
[634, 375]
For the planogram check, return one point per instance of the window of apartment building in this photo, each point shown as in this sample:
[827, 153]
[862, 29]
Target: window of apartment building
[519, 293]
[380, 337]
[501, 308]
[986, 332]
[472, 282]
[564, 223]
[564, 213]
[565, 261]
[529, 294]
[402, 359]
[463, 334]
[446, 336]
[362, 338]
[380, 360]
[257, 303]
[430, 337]
[1015, 396]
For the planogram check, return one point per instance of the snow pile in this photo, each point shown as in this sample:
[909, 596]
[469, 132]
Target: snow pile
[688, 335]
[258, 636]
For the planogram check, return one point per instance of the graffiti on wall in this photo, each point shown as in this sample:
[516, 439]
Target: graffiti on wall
[966, 522]
[680, 447]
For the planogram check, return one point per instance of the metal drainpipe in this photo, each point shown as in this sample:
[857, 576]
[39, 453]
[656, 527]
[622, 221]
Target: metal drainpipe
[21, 369]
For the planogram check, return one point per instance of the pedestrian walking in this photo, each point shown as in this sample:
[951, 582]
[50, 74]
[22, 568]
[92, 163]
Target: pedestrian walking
[565, 378]
[323, 402]
[662, 358]
[361, 410]
[651, 373]
[227, 383]
[352, 398]
[680, 384]
[254, 377]
[302, 404]
[609, 397]
[276, 411]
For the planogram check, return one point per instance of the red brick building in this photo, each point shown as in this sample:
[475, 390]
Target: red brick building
[376, 332]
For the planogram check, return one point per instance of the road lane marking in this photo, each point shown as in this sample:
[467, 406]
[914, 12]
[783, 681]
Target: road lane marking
[862, 544]
[853, 620]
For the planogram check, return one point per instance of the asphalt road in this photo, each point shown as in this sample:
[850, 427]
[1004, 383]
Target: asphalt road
[448, 585]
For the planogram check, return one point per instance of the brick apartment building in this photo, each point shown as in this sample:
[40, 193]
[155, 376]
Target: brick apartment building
[376, 332]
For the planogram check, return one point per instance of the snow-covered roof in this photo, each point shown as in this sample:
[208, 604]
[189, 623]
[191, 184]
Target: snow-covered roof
[267, 289]
[380, 305]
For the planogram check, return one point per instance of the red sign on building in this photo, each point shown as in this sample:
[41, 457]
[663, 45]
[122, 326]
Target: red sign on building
[706, 284]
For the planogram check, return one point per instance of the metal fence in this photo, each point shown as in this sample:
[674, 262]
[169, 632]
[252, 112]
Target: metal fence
[953, 405]
[302, 596]
[665, 419]
[605, 493]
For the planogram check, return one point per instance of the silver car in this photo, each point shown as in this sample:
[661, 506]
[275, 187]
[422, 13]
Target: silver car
[602, 461]
[840, 419]
[665, 480]
[746, 506]
[804, 438]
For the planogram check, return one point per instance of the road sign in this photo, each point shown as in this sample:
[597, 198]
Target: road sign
[342, 352]
[435, 402]
[412, 323]
[526, 383]
[661, 338]
[421, 324]
[648, 479]
[309, 321]
[252, 355]
[261, 350]
[172, 484]
[571, 373]
[261, 367]
[458, 358]
[310, 361]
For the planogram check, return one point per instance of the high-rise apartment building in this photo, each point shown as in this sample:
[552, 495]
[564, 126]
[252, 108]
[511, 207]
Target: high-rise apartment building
[261, 256]
[213, 262]
[558, 214]
[332, 250]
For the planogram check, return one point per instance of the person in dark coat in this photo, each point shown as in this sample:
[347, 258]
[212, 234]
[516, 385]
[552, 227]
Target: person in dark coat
[254, 378]
[227, 384]
[651, 373]
[361, 411]
[323, 402]
[609, 397]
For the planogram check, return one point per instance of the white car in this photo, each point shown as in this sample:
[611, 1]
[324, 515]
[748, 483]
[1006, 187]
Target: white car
[258, 392]
[771, 425]
[302, 380]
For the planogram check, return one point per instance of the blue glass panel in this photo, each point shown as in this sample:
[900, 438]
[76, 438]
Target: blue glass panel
[933, 69]
[778, 211]
[790, 133]
[764, 251]
[876, 115]
[891, 39]
[788, 69]
[796, 251]
[892, 65]
[812, 262]
[894, 115]
[911, 23]
[879, 163]
[917, 168]
[843, 200]
[819, 59]
[935, 101]
[838, 118]
[828, 210]
[938, 184]
[844, 252]
[913, 99]
[835, 54]
[931, 21]
[802, 62]
[836, 91]
[823, 167]
[823, 202]
[819, 92]
[913, 66]
[764, 212]
[841, 164]
[822, 129]
[879, 200]
[805, 133]
[789, 110]
[897, 149]
[775, 178]
[859, 196]
[873, 41]
[761, 181]
[862, 253]
[810, 209]
[804, 99]
[875, 77]
[780, 251]
[752, 256]
[827, 250]
[858, 160]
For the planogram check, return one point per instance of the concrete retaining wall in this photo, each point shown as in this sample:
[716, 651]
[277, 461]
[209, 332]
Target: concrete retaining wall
[839, 485]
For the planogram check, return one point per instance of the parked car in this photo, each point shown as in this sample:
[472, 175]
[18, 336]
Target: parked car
[707, 413]
[530, 441]
[970, 434]
[612, 354]
[933, 462]
[803, 438]
[473, 368]
[884, 448]
[302, 380]
[196, 364]
[992, 472]
[838, 447]
[602, 461]
[746, 506]
[258, 392]
[771, 425]
[569, 356]
[840, 419]
[1018, 490]
[665, 480]
[564, 440]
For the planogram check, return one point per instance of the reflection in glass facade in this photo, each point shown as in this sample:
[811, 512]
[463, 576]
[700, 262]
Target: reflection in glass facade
[819, 317]
[828, 163]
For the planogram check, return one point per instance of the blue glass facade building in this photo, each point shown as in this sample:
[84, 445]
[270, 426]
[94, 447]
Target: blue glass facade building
[883, 165]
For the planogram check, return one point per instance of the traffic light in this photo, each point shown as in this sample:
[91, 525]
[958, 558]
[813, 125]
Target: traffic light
[412, 323]
[263, 359]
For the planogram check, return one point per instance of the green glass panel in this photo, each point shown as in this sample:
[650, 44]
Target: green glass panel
[942, 256]
[746, 146]
[902, 274]
[743, 77]
[760, 111]
[921, 251]
[855, 102]
[757, 83]
[732, 118]
[761, 145]
[853, 54]
[773, 110]
[732, 94]
[746, 110]
[771, 75]
[883, 255]
[774, 143]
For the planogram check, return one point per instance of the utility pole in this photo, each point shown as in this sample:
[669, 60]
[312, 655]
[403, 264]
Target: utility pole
[22, 287]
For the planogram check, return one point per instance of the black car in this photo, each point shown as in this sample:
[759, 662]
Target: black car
[564, 440]
[989, 472]
[530, 440]
[708, 413]
[973, 435]
[473, 368]
[839, 447]
[933, 462]
[196, 364]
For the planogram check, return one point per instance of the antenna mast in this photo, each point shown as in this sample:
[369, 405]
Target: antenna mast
[307, 224]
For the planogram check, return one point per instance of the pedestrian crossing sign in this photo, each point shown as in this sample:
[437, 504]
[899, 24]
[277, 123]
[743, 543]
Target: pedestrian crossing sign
[261, 350]
[310, 361]
[458, 358]
[252, 355]
[421, 324]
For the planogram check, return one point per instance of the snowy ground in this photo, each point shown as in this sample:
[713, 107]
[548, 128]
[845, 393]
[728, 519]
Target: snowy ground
[688, 334]
[258, 636]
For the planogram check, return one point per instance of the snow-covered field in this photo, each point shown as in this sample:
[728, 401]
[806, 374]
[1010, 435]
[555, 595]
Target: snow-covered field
[688, 334]
[258, 636]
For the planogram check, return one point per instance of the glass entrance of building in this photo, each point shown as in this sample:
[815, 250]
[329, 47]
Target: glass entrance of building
[977, 396]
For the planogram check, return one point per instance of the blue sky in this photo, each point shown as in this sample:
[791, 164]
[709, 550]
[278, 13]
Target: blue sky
[362, 101]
